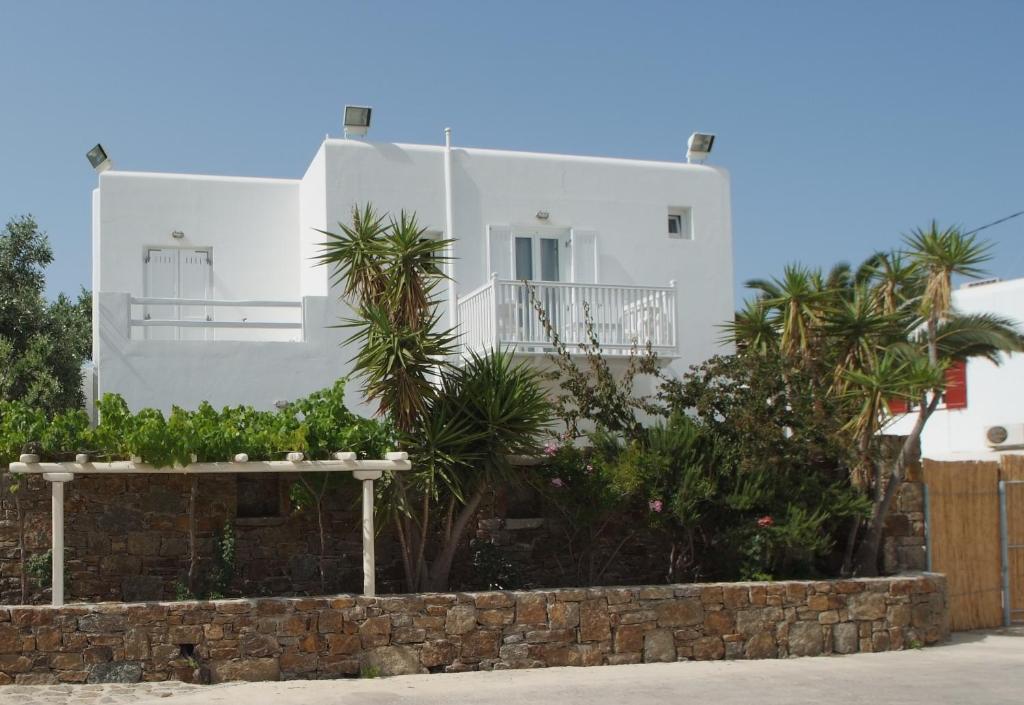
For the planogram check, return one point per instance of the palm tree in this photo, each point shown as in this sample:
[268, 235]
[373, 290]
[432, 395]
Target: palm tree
[931, 342]
[884, 331]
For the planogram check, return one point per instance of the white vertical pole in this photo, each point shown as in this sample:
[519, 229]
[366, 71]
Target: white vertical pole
[453, 298]
[1004, 555]
[57, 480]
[57, 576]
[369, 558]
[495, 340]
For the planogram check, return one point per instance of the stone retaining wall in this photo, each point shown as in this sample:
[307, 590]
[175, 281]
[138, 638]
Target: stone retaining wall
[333, 637]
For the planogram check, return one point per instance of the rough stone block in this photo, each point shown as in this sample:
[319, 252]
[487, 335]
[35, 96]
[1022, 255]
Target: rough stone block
[480, 644]
[493, 600]
[119, 672]
[594, 622]
[563, 615]
[628, 638]
[844, 638]
[805, 639]
[866, 605]
[719, 622]
[343, 644]
[531, 609]
[392, 661]
[461, 619]
[761, 646]
[680, 613]
[440, 652]
[659, 646]
[247, 669]
[708, 648]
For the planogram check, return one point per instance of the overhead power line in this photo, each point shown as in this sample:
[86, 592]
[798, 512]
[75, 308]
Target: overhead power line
[994, 222]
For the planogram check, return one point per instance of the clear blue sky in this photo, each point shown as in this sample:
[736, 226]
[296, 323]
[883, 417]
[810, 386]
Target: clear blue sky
[843, 124]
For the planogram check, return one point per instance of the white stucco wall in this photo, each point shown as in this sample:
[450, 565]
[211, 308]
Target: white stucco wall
[994, 392]
[624, 201]
[261, 233]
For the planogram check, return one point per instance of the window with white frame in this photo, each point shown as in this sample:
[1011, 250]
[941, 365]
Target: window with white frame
[680, 223]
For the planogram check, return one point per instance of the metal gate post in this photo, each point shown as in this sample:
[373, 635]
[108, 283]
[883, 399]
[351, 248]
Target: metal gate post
[927, 529]
[1004, 552]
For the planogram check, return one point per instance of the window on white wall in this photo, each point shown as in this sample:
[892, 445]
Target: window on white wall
[680, 223]
[177, 273]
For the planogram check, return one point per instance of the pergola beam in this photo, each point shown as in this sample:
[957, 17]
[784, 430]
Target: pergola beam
[366, 471]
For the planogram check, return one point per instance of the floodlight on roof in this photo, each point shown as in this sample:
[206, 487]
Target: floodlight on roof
[357, 120]
[698, 147]
[98, 158]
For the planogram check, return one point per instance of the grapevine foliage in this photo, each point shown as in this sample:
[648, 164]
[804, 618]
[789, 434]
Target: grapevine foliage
[317, 425]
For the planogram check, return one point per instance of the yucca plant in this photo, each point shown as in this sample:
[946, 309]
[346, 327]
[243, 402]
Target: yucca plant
[459, 423]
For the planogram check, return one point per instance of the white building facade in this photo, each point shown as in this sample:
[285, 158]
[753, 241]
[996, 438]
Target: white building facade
[205, 288]
[988, 396]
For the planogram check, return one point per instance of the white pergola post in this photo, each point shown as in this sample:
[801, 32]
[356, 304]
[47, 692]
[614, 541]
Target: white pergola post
[57, 480]
[369, 532]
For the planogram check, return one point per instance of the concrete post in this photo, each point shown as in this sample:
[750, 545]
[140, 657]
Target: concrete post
[369, 554]
[57, 480]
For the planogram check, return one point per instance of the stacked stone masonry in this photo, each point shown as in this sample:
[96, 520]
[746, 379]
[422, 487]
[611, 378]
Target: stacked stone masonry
[343, 636]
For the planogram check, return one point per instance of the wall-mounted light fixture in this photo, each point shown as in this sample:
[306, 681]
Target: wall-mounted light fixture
[543, 215]
[177, 234]
[698, 147]
[357, 120]
[98, 158]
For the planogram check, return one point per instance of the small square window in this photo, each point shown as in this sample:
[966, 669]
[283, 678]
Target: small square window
[679, 224]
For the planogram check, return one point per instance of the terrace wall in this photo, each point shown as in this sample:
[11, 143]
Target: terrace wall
[342, 636]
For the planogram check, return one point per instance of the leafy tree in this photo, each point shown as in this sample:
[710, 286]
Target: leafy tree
[42, 344]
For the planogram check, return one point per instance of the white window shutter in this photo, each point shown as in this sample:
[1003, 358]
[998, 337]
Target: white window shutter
[162, 273]
[499, 251]
[194, 283]
[195, 274]
[584, 256]
[161, 281]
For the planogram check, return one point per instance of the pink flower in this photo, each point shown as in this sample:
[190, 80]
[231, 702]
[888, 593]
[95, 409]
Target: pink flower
[656, 505]
[550, 449]
[557, 482]
[765, 521]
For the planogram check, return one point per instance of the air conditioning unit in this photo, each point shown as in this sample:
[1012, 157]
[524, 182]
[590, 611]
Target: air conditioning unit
[1010, 435]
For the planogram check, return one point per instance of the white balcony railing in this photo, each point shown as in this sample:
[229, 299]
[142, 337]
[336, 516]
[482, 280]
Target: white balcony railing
[198, 319]
[501, 314]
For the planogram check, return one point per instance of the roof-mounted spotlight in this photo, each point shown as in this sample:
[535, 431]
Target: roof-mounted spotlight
[97, 156]
[698, 147]
[357, 120]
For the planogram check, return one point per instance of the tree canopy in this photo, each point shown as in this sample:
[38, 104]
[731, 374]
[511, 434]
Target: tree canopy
[42, 343]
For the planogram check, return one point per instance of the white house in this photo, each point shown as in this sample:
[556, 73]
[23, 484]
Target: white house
[204, 287]
[984, 397]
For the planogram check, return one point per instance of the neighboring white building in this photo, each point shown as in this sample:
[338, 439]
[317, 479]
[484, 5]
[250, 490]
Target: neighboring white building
[990, 396]
[648, 244]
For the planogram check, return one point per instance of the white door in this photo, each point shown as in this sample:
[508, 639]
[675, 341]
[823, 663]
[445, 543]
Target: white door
[175, 273]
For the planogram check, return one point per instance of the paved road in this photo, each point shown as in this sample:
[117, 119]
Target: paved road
[974, 669]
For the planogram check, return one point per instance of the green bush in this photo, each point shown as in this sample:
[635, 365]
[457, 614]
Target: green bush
[317, 425]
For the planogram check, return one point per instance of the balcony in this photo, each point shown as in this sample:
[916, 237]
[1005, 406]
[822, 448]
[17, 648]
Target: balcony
[501, 314]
